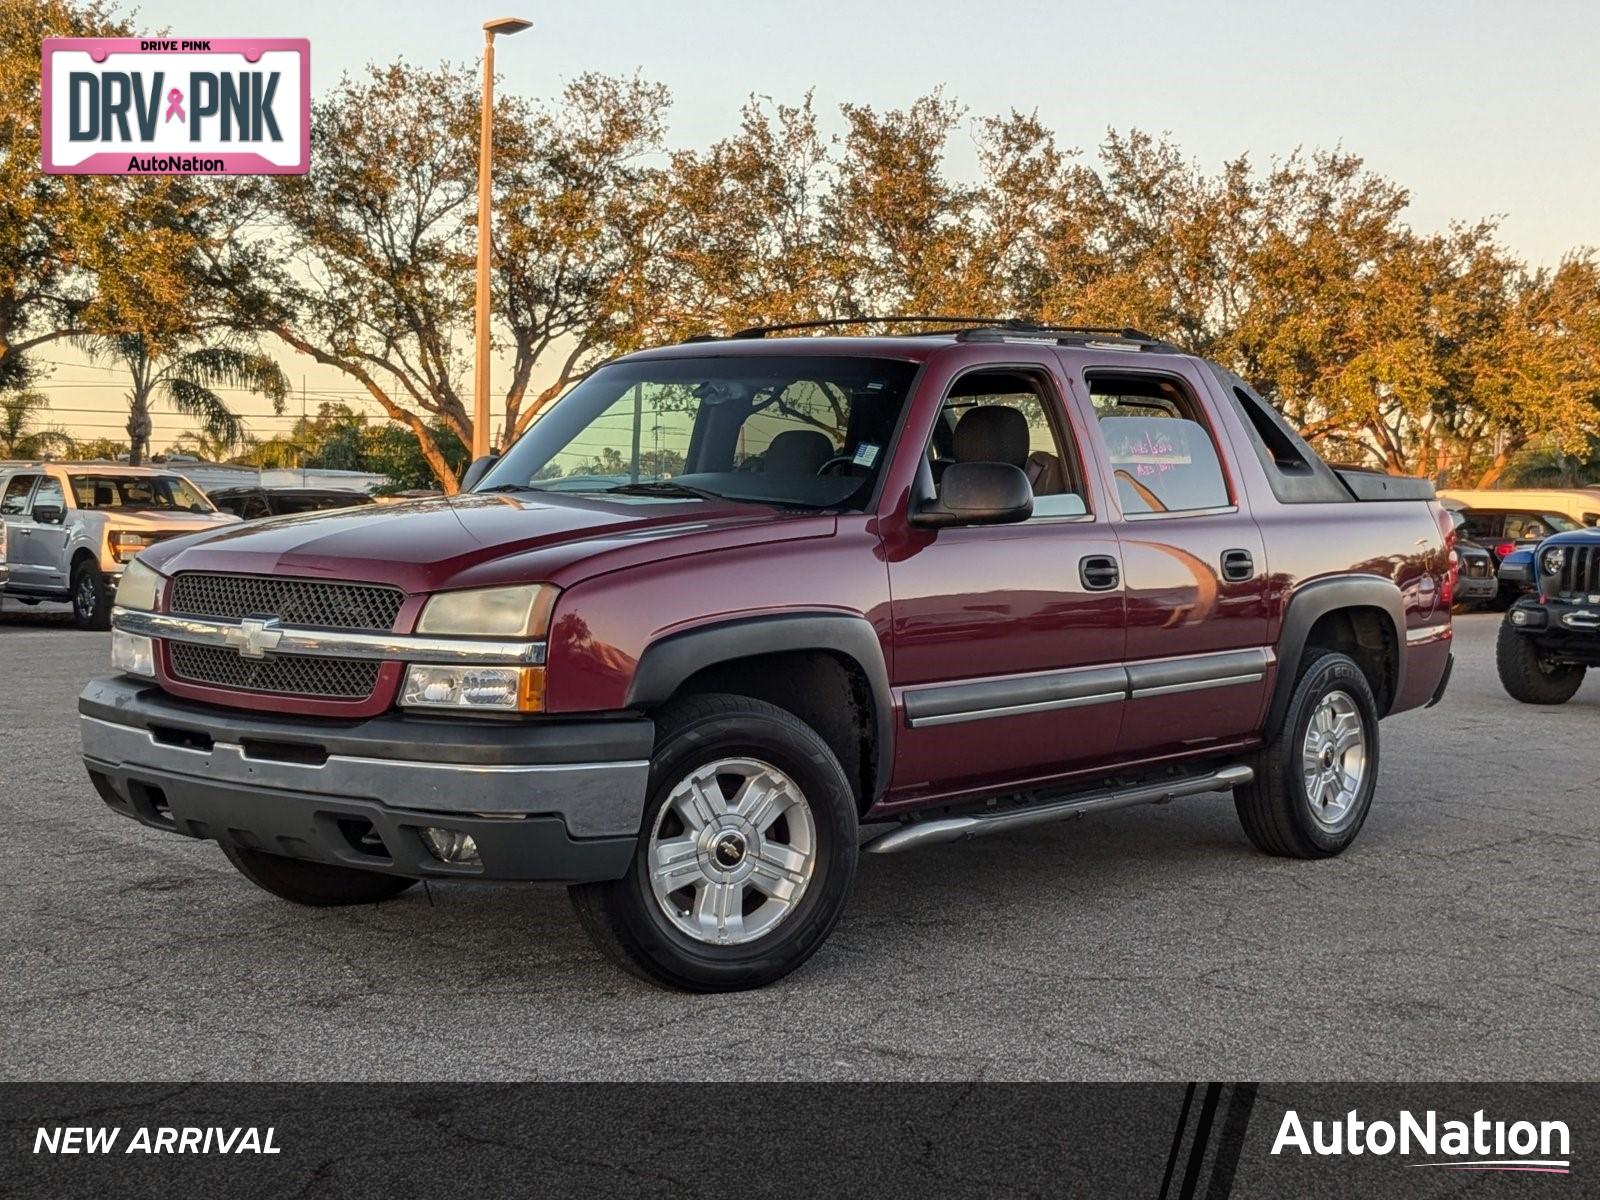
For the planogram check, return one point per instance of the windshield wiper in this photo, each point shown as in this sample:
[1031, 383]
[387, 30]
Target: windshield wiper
[506, 487]
[662, 487]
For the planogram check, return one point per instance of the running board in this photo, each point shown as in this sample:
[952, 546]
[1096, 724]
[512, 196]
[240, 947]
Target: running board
[951, 829]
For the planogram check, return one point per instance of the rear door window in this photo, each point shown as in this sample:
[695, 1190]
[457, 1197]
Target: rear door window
[1161, 452]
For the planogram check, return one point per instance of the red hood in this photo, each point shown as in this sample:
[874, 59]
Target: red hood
[427, 545]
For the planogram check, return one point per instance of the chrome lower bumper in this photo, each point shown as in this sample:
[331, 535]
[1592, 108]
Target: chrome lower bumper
[598, 799]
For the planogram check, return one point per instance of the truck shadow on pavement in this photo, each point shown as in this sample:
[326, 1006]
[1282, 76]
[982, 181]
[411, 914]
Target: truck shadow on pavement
[1054, 891]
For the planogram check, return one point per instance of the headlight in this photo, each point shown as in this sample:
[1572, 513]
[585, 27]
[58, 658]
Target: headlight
[1553, 559]
[475, 689]
[125, 545]
[505, 612]
[139, 588]
[132, 654]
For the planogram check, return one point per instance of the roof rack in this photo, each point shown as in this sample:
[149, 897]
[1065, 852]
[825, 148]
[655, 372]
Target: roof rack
[968, 329]
[1122, 337]
[760, 331]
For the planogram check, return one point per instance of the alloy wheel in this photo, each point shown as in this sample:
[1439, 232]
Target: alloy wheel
[732, 851]
[85, 598]
[1333, 760]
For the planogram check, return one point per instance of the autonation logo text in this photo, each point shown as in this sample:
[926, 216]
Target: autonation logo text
[1477, 1145]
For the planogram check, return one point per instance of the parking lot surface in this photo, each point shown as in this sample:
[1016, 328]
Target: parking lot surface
[1456, 940]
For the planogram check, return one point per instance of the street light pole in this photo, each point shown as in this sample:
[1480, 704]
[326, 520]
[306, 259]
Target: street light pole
[480, 412]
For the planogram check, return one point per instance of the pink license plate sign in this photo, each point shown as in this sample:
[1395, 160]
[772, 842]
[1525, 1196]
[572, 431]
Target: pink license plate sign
[177, 106]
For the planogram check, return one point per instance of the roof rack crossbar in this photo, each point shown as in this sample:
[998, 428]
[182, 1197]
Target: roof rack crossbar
[758, 331]
[1035, 329]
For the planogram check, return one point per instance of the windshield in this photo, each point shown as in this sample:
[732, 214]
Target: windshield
[808, 431]
[138, 491]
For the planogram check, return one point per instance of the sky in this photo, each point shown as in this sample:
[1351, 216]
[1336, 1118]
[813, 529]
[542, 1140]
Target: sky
[1480, 109]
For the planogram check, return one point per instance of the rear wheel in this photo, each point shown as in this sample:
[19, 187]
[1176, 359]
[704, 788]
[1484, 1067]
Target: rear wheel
[1314, 782]
[319, 885]
[1527, 675]
[746, 854]
[91, 597]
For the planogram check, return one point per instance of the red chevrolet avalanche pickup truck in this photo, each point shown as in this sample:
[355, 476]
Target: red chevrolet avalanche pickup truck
[729, 601]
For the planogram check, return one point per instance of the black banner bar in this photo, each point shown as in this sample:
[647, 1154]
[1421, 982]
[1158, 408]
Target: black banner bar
[1168, 1141]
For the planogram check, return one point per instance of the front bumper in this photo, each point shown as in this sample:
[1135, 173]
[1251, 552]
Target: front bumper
[555, 800]
[1567, 631]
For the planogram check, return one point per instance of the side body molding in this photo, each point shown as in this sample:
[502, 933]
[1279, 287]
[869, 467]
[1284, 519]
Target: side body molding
[1315, 600]
[665, 664]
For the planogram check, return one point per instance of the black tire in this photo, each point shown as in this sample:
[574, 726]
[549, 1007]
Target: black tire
[1525, 674]
[1275, 808]
[91, 598]
[317, 885]
[625, 919]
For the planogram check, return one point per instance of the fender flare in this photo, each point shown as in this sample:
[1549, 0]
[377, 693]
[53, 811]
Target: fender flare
[667, 663]
[1316, 600]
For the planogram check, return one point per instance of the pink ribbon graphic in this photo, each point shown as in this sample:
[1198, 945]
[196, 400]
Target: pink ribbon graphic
[175, 105]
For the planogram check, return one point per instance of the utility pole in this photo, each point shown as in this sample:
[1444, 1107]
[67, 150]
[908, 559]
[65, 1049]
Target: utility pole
[480, 419]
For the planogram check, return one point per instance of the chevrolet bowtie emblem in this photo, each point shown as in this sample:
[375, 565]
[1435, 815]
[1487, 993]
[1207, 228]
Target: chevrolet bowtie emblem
[254, 636]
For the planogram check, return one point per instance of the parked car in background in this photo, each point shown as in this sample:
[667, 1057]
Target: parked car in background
[963, 582]
[1580, 505]
[1477, 581]
[71, 528]
[1502, 531]
[1551, 636]
[253, 503]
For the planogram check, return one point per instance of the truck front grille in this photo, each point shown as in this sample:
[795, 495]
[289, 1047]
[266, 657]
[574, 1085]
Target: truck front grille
[1579, 575]
[217, 666]
[294, 601]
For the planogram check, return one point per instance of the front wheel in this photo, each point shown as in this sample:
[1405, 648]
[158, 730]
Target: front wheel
[1314, 782]
[91, 598]
[1525, 673]
[746, 854]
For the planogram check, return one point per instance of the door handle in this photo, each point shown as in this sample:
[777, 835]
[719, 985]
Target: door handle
[1238, 566]
[1099, 572]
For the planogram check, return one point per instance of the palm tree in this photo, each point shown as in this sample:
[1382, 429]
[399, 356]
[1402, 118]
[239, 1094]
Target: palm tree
[212, 447]
[18, 410]
[187, 379]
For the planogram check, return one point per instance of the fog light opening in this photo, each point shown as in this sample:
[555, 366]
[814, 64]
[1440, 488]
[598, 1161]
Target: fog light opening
[1519, 617]
[363, 837]
[451, 846]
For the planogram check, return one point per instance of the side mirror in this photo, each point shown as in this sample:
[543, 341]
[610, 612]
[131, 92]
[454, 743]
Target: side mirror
[978, 493]
[476, 470]
[49, 514]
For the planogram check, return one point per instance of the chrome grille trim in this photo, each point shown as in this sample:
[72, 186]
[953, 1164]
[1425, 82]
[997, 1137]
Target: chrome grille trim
[317, 603]
[325, 678]
[297, 640]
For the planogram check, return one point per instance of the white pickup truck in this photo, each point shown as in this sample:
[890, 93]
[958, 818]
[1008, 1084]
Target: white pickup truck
[68, 529]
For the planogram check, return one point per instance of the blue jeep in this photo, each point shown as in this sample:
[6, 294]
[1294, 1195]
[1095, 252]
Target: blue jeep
[1551, 634]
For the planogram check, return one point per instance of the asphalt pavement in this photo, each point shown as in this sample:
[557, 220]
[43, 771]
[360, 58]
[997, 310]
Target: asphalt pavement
[1458, 939]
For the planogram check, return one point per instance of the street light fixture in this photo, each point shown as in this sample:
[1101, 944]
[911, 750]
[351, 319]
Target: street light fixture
[480, 419]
